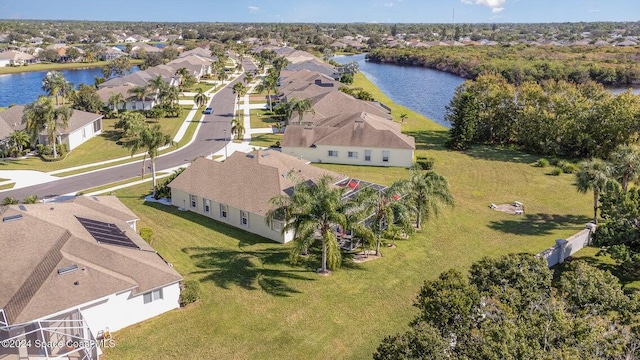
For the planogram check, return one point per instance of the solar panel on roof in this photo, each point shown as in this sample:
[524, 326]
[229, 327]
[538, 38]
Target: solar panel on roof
[107, 233]
[22, 207]
[12, 218]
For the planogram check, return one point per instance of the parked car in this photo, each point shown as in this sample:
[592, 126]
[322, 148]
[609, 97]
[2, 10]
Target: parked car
[208, 111]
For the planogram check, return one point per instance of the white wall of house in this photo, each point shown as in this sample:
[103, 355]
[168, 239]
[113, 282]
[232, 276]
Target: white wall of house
[320, 154]
[78, 137]
[140, 105]
[121, 310]
[256, 223]
[5, 62]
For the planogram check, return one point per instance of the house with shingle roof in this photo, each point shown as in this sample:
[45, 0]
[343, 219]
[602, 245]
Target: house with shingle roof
[15, 58]
[237, 191]
[82, 126]
[70, 272]
[359, 139]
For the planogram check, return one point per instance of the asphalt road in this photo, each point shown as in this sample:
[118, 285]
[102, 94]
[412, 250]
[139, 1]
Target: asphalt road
[210, 138]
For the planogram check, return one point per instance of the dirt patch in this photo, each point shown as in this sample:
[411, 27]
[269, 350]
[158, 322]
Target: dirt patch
[365, 256]
[517, 208]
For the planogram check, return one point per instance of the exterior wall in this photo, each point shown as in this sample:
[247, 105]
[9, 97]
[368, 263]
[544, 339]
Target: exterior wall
[137, 105]
[5, 62]
[558, 253]
[320, 154]
[257, 223]
[122, 310]
[78, 137]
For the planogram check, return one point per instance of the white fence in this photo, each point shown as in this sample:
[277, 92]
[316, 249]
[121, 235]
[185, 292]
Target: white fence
[564, 248]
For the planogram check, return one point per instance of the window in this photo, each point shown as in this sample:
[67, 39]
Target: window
[152, 296]
[193, 201]
[97, 126]
[206, 205]
[367, 155]
[385, 155]
[224, 211]
[333, 153]
[352, 154]
[276, 225]
[244, 218]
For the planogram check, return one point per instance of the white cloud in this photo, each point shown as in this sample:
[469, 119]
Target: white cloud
[253, 9]
[495, 5]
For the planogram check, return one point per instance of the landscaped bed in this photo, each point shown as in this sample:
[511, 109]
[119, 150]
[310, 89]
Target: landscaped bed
[256, 305]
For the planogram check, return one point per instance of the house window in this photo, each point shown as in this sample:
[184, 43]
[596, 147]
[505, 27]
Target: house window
[152, 296]
[352, 154]
[276, 225]
[97, 126]
[367, 155]
[206, 205]
[193, 201]
[333, 153]
[244, 218]
[385, 155]
[224, 211]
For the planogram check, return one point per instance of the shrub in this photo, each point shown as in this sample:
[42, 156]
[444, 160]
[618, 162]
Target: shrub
[554, 161]
[569, 168]
[30, 199]
[44, 149]
[276, 144]
[190, 292]
[146, 234]
[556, 171]
[425, 162]
[61, 148]
[542, 163]
[164, 190]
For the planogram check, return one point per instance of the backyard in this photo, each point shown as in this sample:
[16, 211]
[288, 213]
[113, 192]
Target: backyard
[256, 305]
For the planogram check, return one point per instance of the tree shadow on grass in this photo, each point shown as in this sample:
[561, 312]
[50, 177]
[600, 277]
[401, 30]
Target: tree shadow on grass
[501, 153]
[539, 224]
[248, 269]
[429, 140]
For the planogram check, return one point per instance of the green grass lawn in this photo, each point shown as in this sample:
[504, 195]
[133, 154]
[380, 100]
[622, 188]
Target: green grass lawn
[117, 183]
[265, 139]
[256, 305]
[260, 120]
[99, 148]
[7, 186]
[54, 66]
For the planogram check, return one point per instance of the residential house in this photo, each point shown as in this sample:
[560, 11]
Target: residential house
[112, 53]
[306, 84]
[15, 58]
[36, 40]
[314, 65]
[82, 126]
[360, 139]
[138, 49]
[237, 191]
[72, 272]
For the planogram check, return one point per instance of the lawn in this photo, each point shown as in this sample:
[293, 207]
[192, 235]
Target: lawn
[55, 66]
[86, 153]
[256, 305]
[260, 120]
[265, 140]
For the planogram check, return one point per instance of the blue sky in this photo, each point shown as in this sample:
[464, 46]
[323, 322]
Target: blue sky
[383, 11]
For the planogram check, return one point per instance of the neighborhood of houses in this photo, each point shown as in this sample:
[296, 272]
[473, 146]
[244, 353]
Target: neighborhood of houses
[80, 270]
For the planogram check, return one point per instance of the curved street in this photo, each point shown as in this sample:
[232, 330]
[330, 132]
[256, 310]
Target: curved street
[209, 138]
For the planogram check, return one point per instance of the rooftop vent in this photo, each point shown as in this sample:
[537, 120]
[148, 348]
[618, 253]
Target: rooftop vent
[12, 218]
[95, 198]
[67, 269]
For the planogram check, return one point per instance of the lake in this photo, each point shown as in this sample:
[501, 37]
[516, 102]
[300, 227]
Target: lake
[422, 90]
[24, 88]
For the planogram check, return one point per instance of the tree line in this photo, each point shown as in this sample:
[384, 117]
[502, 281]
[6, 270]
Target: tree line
[521, 63]
[555, 118]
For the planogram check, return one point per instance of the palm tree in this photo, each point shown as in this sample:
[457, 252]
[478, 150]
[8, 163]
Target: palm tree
[384, 208]
[36, 115]
[200, 98]
[115, 100]
[248, 77]
[425, 191]
[222, 74]
[18, 141]
[60, 119]
[169, 96]
[302, 107]
[625, 162]
[237, 128]
[403, 117]
[593, 175]
[268, 84]
[53, 83]
[311, 212]
[182, 72]
[150, 139]
[240, 90]
[141, 93]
